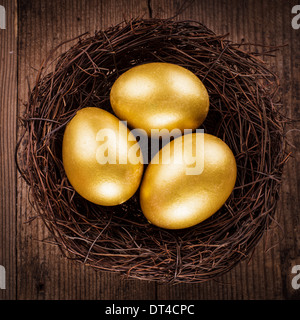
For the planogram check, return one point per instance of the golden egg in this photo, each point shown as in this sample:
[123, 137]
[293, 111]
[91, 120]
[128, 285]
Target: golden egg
[187, 181]
[160, 96]
[101, 157]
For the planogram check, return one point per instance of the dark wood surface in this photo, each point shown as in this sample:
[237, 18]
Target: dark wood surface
[35, 270]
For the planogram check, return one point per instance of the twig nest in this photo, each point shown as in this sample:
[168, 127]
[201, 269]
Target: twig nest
[242, 113]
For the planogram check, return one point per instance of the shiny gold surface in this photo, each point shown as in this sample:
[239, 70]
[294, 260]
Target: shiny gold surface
[172, 199]
[160, 96]
[99, 180]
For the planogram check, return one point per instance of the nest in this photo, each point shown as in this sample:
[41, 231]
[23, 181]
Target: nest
[244, 112]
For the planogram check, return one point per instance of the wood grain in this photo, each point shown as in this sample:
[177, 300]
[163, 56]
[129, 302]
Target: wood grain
[37, 270]
[8, 116]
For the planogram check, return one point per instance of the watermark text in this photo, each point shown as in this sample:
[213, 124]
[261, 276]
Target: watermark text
[296, 279]
[296, 19]
[2, 278]
[2, 17]
[117, 147]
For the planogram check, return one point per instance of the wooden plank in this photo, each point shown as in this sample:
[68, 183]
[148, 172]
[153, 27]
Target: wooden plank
[8, 112]
[268, 274]
[42, 272]
[290, 198]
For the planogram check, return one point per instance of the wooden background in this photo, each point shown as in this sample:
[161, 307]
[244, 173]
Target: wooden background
[38, 271]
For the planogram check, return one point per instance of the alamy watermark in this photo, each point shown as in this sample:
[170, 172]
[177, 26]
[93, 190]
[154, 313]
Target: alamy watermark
[296, 19]
[187, 148]
[296, 279]
[2, 278]
[2, 17]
